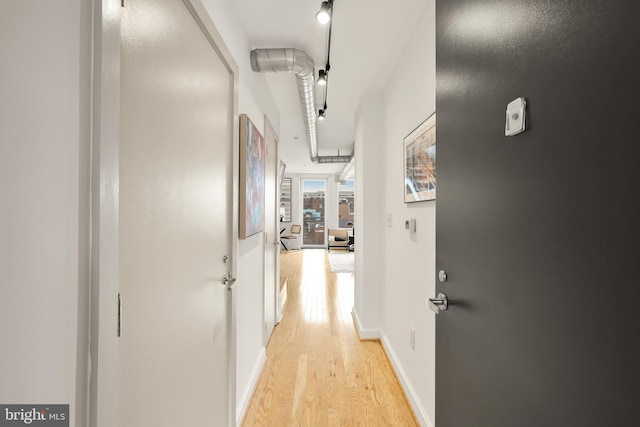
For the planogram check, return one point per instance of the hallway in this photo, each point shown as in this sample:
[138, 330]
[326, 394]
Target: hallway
[317, 371]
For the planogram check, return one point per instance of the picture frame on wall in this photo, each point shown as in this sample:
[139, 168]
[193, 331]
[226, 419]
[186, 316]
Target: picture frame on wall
[252, 179]
[420, 162]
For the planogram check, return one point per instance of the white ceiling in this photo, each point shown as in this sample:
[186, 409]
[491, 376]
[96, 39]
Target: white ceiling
[368, 37]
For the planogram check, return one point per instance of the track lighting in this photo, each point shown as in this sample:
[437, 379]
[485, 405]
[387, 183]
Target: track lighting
[322, 77]
[324, 14]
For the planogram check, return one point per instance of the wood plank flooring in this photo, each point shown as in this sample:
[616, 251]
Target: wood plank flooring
[317, 372]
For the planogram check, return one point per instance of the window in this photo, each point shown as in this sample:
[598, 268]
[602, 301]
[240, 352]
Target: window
[345, 204]
[313, 211]
[285, 200]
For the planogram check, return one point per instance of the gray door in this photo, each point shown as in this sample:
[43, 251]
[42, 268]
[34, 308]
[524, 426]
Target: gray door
[174, 220]
[539, 232]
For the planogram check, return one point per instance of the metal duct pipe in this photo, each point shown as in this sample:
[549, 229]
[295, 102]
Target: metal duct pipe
[298, 62]
[348, 168]
[334, 159]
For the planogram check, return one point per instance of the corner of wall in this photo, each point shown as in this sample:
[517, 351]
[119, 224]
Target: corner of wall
[245, 399]
[409, 99]
[416, 405]
[365, 334]
[370, 178]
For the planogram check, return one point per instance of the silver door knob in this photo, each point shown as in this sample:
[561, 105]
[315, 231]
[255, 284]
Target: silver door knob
[438, 304]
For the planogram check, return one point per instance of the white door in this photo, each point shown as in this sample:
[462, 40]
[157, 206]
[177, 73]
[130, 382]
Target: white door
[174, 220]
[272, 234]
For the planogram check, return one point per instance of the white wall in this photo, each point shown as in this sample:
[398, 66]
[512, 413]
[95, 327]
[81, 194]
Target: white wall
[255, 100]
[409, 98]
[249, 293]
[370, 175]
[44, 188]
[395, 270]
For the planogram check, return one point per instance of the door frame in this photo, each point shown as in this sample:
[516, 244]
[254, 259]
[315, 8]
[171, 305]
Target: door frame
[311, 177]
[103, 346]
[268, 128]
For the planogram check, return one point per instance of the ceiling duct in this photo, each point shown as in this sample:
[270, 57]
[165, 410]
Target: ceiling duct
[334, 159]
[347, 171]
[298, 62]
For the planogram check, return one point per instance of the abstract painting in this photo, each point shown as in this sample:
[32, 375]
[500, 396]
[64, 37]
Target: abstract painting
[420, 162]
[252, 181]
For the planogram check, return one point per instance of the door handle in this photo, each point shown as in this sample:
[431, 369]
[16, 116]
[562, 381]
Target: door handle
[228, 280]
[438, 304]
[276, 243]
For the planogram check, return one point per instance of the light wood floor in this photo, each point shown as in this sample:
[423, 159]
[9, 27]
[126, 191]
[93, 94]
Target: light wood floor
[317, 372]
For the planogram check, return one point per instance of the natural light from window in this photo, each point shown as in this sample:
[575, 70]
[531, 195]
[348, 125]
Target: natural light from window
[346, 193]
[313, 212]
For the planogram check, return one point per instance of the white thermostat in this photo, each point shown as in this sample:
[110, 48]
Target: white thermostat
[515, 123]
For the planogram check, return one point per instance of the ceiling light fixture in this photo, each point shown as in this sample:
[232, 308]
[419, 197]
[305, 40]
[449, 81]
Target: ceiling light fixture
[323, 112]
[324, 14]
[322, 77]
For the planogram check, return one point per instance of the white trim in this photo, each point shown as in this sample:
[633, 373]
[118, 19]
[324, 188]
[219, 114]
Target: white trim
[372, 334]
[268, 129]
[418, 409]
[243, 404]
[365, 334]
[105, 184]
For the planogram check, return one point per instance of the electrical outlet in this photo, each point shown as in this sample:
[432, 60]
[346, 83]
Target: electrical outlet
[412, 338]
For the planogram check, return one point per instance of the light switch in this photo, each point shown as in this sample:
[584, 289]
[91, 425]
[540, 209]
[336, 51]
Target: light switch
[515, 121]
[389, 220]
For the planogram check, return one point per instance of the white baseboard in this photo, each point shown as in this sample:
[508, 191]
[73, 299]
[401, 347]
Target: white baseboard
[365, 334]
[243, 404]
[418, 409]
[372, 334]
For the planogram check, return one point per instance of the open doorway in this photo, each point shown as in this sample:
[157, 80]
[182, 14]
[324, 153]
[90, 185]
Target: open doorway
[313, 212]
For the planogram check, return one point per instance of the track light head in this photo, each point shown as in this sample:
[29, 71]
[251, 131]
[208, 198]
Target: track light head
[324, 14]
[322, 77]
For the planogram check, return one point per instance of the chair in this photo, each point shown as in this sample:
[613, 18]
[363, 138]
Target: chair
[293, 238]
[338, 238]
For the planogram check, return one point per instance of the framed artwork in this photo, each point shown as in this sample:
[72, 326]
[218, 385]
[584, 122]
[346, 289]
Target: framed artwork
[420, 162]
[252, 187]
